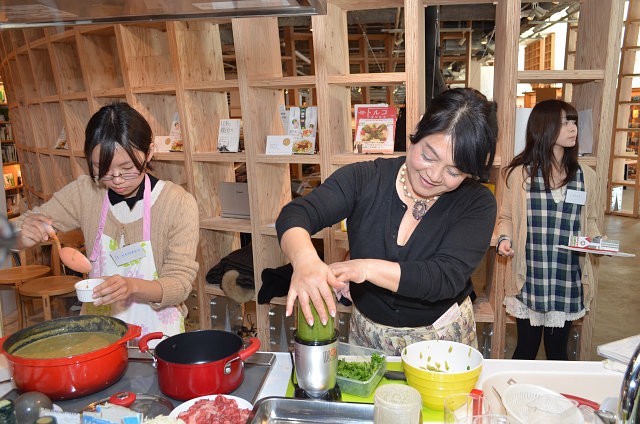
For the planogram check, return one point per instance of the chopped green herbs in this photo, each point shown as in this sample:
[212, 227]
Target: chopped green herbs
[361, 371]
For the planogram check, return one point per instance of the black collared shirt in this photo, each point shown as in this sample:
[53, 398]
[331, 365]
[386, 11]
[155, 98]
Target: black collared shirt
[115, 198]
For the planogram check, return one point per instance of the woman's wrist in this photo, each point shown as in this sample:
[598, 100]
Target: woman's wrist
[501, 238]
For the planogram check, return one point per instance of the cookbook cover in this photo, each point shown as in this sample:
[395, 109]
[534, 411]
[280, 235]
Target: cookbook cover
[303, 123]
[375, 129]
[229, 135]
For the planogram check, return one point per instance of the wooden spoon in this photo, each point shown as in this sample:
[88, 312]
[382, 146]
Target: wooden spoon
[72, 258]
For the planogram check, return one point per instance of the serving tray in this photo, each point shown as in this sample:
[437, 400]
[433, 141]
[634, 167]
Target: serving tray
[281, 410]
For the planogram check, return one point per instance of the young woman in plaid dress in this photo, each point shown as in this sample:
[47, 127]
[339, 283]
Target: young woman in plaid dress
[548, 197]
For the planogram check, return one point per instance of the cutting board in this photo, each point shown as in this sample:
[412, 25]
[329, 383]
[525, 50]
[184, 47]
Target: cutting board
[428, 415]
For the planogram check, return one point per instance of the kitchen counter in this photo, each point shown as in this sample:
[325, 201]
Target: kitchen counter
[277, 377]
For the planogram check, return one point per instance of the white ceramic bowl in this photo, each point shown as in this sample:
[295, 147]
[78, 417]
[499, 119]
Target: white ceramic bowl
[84, 288]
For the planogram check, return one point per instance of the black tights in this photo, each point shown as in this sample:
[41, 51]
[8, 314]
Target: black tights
[555, 341]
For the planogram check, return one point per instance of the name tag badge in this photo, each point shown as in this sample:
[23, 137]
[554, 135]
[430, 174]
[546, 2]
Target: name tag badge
[127, 254]
[575, 196]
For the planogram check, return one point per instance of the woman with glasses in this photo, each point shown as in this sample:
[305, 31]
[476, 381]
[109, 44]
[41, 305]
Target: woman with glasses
[548, 197]
[141, 233]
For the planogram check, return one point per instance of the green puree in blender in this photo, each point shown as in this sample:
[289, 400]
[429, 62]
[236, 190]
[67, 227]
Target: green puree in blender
[317, 331]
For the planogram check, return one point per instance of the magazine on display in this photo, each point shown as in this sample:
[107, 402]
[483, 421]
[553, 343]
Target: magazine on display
[375, 129]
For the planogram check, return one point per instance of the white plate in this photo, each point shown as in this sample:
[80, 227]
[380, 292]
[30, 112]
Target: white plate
[242, 404]
[597, 252]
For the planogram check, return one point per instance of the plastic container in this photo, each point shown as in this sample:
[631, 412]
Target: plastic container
[353, 353]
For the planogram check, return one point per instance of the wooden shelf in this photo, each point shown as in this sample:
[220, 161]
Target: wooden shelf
[227, 224]
[368, 80]
[219, 157]
[566, 76]
[309, 159]
[284, 82]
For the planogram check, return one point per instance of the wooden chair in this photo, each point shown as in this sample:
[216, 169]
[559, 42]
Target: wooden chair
[55, 289]
[15, 277]
[48, 289]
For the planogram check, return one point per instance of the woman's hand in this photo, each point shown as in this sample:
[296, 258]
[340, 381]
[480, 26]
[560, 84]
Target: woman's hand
[312, 281]
[36, 228]
[352, 270]
[504, 248]
[113, 289]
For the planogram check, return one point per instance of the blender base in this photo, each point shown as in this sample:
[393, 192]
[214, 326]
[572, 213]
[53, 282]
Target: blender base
[332, 395]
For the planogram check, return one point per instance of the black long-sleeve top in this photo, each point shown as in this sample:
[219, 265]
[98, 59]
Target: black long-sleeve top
[436, 262]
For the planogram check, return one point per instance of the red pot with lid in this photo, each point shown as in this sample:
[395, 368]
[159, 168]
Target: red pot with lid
[199, 363]
[73, 376]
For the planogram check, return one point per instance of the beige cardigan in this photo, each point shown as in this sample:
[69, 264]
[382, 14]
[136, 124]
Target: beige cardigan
[512, 222]
[174, 230]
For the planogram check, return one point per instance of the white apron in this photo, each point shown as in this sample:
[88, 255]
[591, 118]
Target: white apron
[167, 320]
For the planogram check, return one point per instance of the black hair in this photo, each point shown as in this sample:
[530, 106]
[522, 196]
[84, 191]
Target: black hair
[543, 128]
[117, 125]
[470, 119]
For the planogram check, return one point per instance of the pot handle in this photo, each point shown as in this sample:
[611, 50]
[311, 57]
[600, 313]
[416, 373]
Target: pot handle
[132, 332]
[249, 350]
[143, 343]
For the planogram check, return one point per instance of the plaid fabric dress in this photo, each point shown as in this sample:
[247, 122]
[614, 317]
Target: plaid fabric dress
[552, 293]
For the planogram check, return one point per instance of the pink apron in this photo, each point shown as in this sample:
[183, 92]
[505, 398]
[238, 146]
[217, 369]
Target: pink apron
[168, 320]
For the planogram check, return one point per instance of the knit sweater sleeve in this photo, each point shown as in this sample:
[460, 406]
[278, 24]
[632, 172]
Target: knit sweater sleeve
[69, 206]
[177, 231]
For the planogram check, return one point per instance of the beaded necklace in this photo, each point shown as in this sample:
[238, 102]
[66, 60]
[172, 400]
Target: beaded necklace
[420, 206]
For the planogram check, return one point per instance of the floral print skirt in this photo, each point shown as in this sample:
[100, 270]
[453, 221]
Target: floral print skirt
[391, 340]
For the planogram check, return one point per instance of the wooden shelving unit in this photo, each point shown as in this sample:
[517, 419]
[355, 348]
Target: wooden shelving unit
[624, 158]
[57, 77]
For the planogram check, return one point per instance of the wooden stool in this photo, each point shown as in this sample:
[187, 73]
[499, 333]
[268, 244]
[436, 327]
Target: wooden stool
[47, 288]
[18, 275]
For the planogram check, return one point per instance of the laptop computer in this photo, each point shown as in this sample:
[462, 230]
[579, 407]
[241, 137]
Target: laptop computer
[234, 200]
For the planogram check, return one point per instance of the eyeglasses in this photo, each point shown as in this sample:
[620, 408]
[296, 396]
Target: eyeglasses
[127, 176]
[123, 175]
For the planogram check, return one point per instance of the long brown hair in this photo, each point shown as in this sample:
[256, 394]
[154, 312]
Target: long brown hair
[543, 128]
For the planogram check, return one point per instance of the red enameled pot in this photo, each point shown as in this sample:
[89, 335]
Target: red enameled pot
[72, 376]
[199, 363]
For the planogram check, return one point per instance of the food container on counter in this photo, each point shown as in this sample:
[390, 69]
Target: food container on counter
[73, 376]
[353, 353]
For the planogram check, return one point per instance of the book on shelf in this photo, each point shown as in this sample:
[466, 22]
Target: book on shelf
[229, 135]
[9, 153]
[375, 129]
[9, 180]
[302, 127]
[173, 141]
[6, 133]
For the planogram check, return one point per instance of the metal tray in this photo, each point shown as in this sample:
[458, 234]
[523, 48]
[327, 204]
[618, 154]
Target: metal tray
[280, 410]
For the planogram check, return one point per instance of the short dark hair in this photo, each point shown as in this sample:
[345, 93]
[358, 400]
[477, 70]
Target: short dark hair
[117, 125]
[470, 119]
